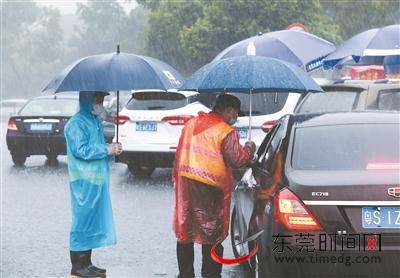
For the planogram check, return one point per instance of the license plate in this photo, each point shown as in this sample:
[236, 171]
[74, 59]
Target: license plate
[41, 127]
[384, 217]
[152, 127]
[242, 132]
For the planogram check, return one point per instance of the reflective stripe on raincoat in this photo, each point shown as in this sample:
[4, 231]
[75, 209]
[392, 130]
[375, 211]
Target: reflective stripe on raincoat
[89, 172]
[200, 156]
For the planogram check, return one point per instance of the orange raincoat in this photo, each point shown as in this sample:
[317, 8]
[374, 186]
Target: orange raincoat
[208, 150]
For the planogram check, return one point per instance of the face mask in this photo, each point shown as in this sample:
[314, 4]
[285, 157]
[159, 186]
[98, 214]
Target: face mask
[232, 121]
[98, 109]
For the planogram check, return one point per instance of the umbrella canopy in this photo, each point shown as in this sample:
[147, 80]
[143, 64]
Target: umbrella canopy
[115, 71]
[250, 74]
[287, 45]
[368, 45]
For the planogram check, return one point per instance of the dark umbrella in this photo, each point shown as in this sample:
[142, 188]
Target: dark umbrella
[296, 47]
[367, 47]
[250, 74]
[114, 72]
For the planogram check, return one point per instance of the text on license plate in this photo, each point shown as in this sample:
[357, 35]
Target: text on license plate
[242, 132]
[143, 126]
[382, 217]
[40, 127]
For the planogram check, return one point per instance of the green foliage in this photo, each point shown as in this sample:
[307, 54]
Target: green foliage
[186, 34]
[356, 16]
[195, 31]
[105, 25]
[32, 47]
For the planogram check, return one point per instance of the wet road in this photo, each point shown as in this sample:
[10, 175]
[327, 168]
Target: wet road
[35, 223]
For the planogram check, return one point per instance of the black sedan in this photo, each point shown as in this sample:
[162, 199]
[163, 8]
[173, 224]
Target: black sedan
[38, 128]
[323, 198]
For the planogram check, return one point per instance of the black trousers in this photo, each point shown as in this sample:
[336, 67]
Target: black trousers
[209, 268]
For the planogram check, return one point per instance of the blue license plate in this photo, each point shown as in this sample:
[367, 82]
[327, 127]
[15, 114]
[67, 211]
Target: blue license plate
[242, 132]
[41, 127]
[383, 217]
[141, 126]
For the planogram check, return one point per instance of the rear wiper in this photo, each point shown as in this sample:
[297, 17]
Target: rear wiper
[155, 107]
[246, 113]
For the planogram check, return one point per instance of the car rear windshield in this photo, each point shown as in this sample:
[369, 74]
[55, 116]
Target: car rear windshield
[50, 107]
[328, 102]
[389, 100]
[345, 147]
[262, 103]
[157, 101]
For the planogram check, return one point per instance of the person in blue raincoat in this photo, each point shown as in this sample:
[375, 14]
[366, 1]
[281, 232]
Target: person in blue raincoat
[89, 173]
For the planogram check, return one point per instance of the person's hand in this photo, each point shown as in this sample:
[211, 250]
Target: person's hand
[251, 145]
[115, 148]
[119, 148]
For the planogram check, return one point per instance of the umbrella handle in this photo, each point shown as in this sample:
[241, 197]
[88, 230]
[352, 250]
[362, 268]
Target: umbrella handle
[250, 112]
[117, 128]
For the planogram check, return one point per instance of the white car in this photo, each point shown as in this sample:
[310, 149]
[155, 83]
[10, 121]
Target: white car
[267, 109]
[150, 125]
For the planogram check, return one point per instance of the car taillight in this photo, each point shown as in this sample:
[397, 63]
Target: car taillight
[177, 120]
[268, 125]
[12, 125]
[121, 119]
[293, 214]
[383, 166]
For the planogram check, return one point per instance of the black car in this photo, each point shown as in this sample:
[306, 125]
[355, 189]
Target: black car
[38, 128]
[331, 206]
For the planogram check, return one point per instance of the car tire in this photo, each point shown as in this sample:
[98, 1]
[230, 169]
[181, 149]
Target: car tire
[141, 171]
[52, 160]
[249, 266]
[18, 159]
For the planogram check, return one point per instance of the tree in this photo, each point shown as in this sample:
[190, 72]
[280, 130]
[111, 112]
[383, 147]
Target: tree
[32, 47]
[105, 25]
[356, 16]
[189, 34]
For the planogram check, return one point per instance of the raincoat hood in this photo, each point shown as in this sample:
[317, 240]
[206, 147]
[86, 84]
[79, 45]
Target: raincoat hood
[86, 101]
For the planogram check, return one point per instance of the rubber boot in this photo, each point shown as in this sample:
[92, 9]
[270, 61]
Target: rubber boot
[80, 266]
[99, 270]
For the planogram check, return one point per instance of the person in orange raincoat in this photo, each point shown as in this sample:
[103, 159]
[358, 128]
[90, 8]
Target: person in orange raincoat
[208, 150]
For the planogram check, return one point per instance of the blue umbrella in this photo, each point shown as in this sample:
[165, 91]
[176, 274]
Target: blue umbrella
[296, 47]
[114, 72]
[367, 47]
[250, 74]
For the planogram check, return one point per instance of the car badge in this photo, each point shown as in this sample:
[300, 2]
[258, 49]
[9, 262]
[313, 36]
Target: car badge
[394, 191]
[41, 120]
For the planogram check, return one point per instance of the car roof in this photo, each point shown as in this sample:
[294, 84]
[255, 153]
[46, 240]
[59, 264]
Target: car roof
[14, 100]
[342, 118]
[185, 93]
[59, 96]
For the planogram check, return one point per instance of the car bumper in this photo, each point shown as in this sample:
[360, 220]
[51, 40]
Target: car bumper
[32, 144]
[158, 159]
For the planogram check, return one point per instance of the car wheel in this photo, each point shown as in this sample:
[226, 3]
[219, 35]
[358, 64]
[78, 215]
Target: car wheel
[141, 171]
[240, 249]
[18, 159]
[52, 160]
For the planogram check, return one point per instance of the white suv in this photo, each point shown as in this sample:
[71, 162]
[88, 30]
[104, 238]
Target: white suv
[267, 109]
[150, 125]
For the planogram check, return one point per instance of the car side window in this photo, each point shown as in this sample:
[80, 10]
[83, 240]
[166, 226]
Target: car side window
[271, 149]
[389, 100]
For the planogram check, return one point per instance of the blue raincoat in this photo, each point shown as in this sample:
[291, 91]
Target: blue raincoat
[89, 172]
